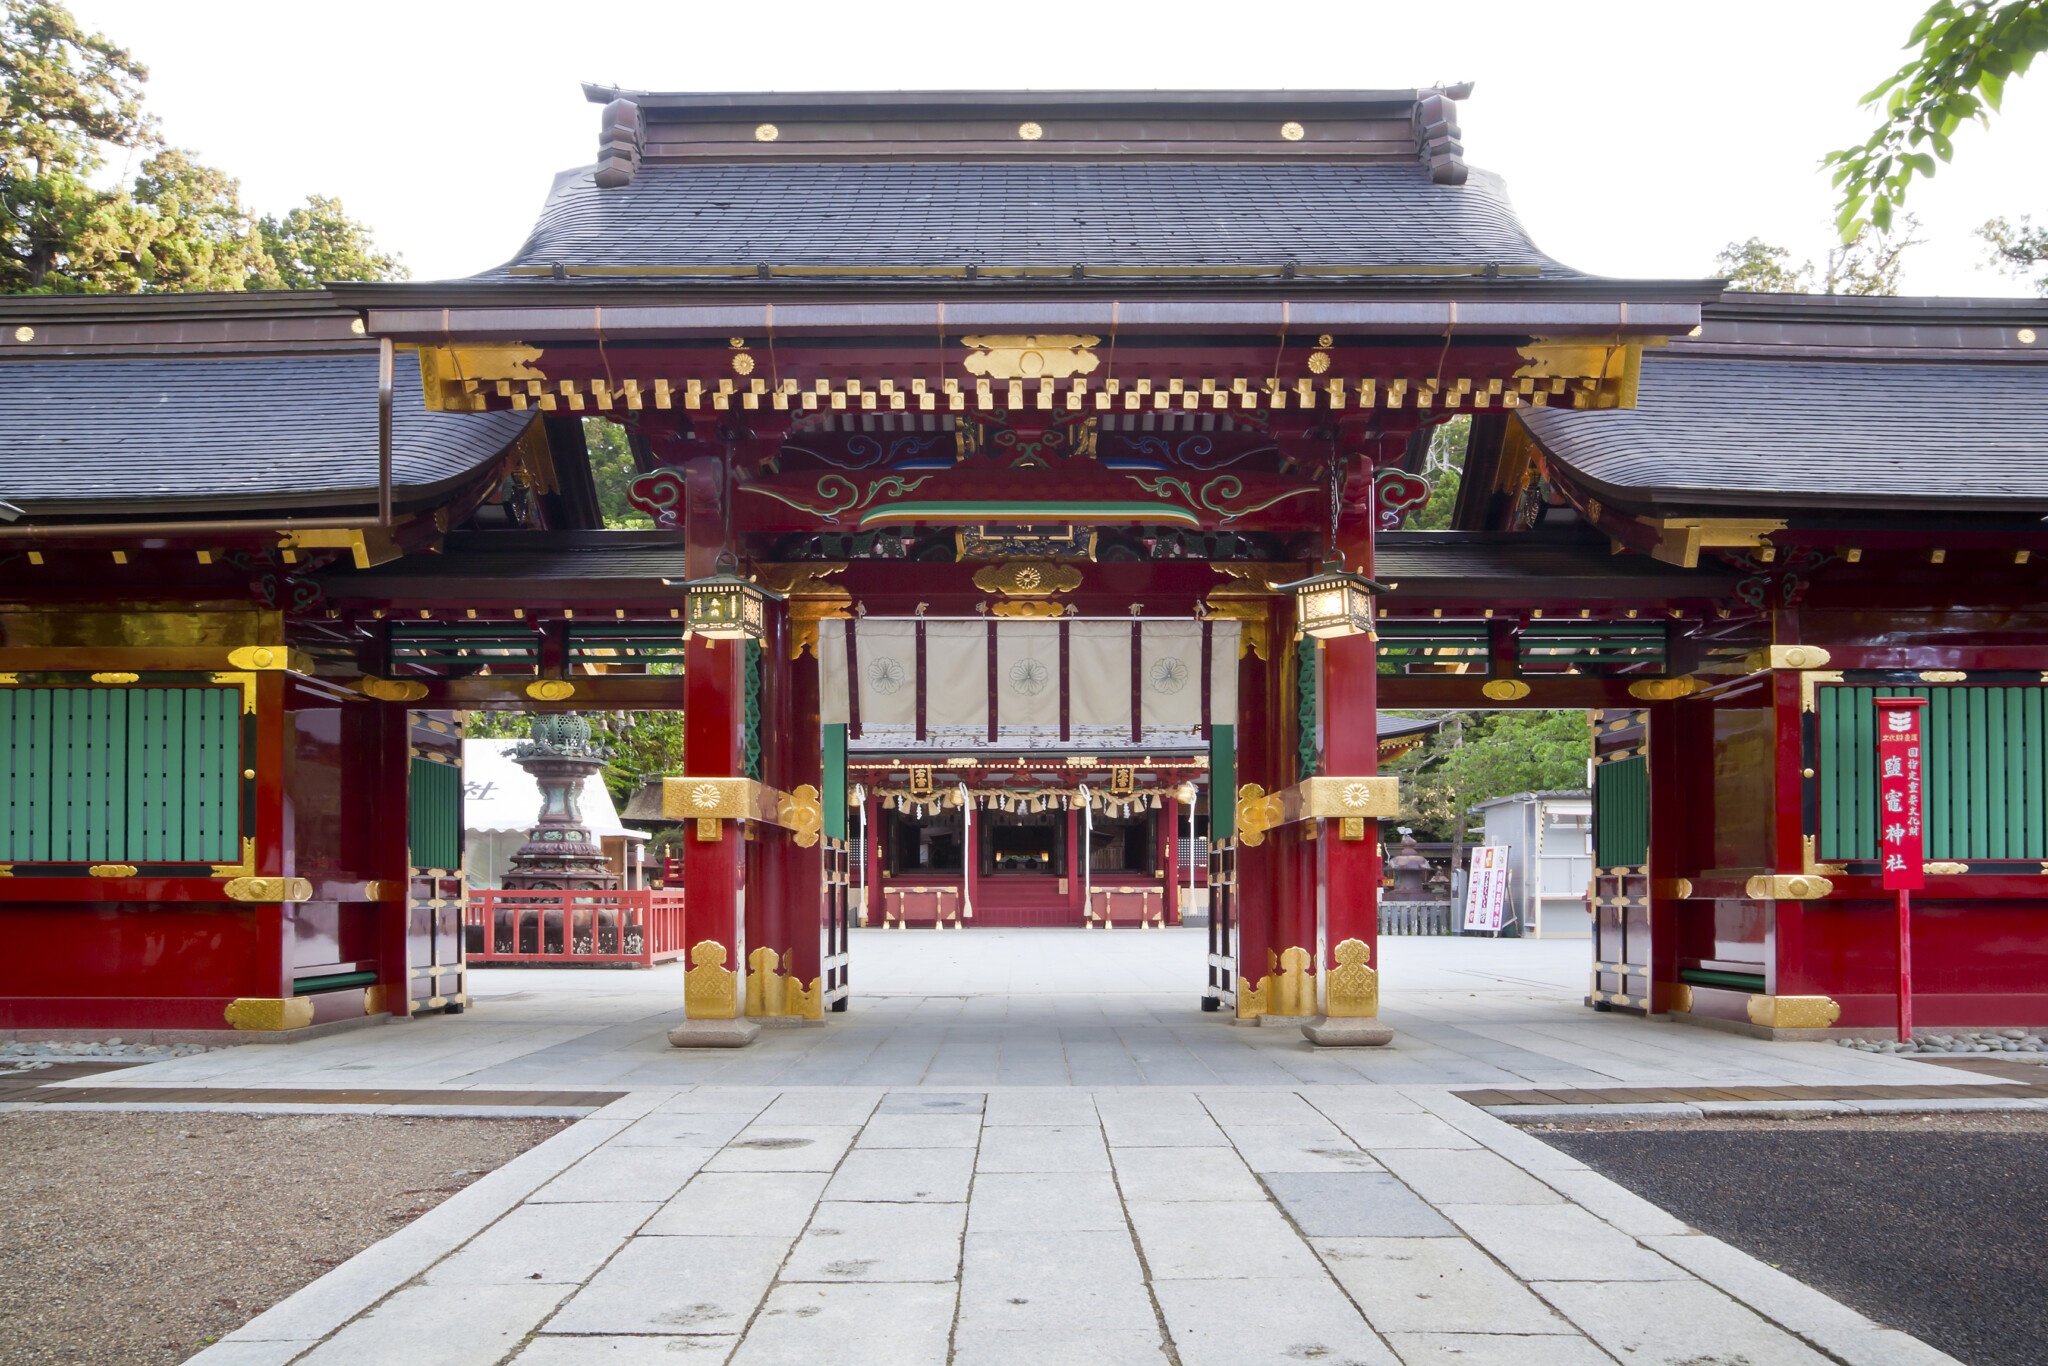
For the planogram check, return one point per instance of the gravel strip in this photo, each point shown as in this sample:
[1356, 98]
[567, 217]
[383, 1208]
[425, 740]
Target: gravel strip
[1930, 1224]
[137, 1239]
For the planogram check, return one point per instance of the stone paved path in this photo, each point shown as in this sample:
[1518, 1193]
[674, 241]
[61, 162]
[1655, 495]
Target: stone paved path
[1032, 1147]
[1351, 1226]
[1050, 1008]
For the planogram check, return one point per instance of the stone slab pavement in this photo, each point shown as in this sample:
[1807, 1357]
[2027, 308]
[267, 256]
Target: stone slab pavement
[997, 1008]
[1351, 1225]
[1032, 1146]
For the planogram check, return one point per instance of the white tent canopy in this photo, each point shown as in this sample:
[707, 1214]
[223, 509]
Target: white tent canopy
[501, 801]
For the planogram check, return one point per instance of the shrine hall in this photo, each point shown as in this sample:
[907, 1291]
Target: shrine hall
[1031, 484]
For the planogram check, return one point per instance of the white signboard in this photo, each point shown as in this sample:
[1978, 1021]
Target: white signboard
[1486, 888]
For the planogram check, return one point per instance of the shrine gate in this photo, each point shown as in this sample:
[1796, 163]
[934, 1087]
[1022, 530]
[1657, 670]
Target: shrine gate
[1030, 479]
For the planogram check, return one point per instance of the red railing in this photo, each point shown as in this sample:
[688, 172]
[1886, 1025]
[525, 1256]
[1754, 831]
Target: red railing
[573, 928]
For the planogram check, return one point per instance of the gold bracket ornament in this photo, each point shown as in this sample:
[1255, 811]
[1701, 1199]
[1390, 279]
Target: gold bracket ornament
[265, 1015]
[112, 870]
[1784, 887]
[1028, 578]
[116, 678]
[1673, 888]
[1256, 814]
[710, 989]
[268, 889]
[1681, 998]
[1944, 869]
[269, 657]
[1663, 689]
[1354, 989]
[551, 690]
[391, 689]
[802, 813]
[1293, 989]
[1335, 798]
[1505, 690]
[1031, 357]
[1793, 1012]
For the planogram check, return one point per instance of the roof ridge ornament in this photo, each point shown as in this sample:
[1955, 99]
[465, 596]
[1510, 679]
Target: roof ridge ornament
[621, 139]
[1437, 134]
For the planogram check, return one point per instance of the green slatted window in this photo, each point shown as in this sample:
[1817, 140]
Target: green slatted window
[436, 802]
[1986, 766]
[121, 775]
[1621, 813]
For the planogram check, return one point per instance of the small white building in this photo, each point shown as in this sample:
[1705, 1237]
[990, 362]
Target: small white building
[501, 802]
[1549, 838]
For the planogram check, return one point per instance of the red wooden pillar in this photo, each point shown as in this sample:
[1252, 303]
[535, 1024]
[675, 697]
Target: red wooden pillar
[713, 720]
[1348, 698]
[1294, 846]
[871, 907]
[1075, 854]
[1351, 866]
[276, 847]
[1256, 948]
[714, 723]
[1169, 856]
[800, 762]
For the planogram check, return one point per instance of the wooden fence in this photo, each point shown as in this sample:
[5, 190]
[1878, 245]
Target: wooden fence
[574, 929]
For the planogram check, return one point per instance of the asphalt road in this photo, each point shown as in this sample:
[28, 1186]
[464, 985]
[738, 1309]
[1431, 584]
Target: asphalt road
[1940, 1233]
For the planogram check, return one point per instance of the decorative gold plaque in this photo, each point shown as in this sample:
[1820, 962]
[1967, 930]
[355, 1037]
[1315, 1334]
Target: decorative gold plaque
[1046, 356]
[1783, 887]
[263, 1014]
[1028, 578]
[1506, 689]
[1662, 689]
[551, 690]
[1793, 1012]
[767, 132]
[112, 870]
[268, 889]
[391, 690]
[1354, 990]
[1293, 131]
[710, 989]
[1030, 132]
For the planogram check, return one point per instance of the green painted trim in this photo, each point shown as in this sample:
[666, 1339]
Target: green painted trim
[1621, 813]
[833, 800]
[1222, 783]
[1732, 981]
[333, 981]
[1028, 512]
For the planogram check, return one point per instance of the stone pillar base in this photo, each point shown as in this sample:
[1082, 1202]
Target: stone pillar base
[1346, 1032]
[713, 1034]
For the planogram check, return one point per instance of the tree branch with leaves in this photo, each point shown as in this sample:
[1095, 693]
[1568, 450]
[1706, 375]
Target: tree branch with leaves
[1968, 51]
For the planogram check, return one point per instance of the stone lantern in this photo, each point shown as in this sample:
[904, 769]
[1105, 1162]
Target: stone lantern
[1410, 867]
[559, 853]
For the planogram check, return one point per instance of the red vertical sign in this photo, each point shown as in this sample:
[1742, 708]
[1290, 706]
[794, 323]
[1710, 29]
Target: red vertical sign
[1900, 845]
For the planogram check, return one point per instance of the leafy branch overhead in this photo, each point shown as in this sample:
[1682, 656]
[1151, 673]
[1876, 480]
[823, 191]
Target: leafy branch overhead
[68, 100]
[1968, 51]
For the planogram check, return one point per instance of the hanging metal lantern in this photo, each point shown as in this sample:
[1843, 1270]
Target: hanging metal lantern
[726, 606]
[1334, 603]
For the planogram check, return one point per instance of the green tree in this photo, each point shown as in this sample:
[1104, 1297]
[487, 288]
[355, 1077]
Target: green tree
[1444, 467]
[2017, 251]
[1761, 268]
[1969, 49]
[1490, 754]
[66, 97]
[611, 465]
[1869, 262]
[320, 242]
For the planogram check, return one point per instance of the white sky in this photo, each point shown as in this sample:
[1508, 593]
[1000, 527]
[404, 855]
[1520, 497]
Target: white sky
[1637, 138]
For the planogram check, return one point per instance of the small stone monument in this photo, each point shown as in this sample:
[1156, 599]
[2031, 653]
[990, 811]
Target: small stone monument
[559, 853]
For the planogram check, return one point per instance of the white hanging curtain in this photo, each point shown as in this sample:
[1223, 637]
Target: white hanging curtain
[1027, 683]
